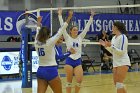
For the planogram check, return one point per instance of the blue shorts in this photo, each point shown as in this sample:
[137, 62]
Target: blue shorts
[47, 72]
[73, 63]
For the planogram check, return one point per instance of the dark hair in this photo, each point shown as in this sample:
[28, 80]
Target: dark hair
[72, 27]
[120, 26]
[43, 34]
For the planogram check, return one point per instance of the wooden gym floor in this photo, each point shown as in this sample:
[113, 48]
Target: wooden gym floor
[93, 82]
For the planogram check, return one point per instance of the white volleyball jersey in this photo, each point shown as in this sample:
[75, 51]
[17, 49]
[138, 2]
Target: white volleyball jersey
[46, 52]
[119, 51]
[75, 43]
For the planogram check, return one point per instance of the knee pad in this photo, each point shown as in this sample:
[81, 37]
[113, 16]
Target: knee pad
[69, 84]
[78, 84]
[119, 85]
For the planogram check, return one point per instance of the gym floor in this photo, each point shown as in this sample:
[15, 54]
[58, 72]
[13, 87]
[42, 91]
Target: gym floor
[93, 82]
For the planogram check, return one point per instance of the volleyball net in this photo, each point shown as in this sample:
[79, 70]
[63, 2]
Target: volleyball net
[102, 21]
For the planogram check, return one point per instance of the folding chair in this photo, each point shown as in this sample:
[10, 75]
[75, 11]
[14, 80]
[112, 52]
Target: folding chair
[87, 62]
[134, 57]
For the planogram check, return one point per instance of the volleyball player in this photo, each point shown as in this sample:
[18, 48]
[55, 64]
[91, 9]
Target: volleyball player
[60, 56]
[73, 62]
[47, 73]
[118, 47]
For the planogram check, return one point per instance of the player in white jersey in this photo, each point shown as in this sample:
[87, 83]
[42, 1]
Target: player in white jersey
[73, 62]
[47, 73]
[118, 47]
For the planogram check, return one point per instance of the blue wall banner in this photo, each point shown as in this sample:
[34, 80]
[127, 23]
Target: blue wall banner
[105, 22]
[11, 22]
[9, 62]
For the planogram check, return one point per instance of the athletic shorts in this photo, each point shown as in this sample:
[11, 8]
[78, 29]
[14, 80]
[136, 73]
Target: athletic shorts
[73, 63]
[47, 72]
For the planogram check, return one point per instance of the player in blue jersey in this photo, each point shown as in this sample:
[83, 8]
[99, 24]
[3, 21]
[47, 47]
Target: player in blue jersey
[118, 47]
[73, 62]
[47, 73]
[60, 56]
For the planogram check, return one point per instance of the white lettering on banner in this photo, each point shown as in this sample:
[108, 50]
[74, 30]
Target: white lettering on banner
[137, 26]
[7, 23]
[92, 26]
[110, 25]
[29, 78]
[79, 25]
[98, 25]
[6, 63]
[105, 25]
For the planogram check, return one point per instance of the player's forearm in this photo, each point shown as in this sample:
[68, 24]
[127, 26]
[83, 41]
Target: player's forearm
[60, 20]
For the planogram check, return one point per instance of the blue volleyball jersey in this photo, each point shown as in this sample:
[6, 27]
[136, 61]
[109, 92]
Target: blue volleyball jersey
[60, 56]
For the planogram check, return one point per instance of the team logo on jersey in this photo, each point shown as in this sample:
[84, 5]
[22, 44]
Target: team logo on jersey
[6, 63]
[21, 20]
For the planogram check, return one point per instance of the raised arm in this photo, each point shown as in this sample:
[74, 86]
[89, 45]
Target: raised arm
[61, 21]
[62, 29]
[83, 33]
[60, 16]
[39, 19]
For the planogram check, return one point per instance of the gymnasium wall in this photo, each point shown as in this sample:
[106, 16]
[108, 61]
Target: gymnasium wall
[92, 50]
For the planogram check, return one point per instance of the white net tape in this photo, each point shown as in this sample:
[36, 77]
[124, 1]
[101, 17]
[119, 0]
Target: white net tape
[94, 43]
[88, 7]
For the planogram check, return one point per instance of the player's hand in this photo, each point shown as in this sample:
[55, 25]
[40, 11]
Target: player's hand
[107, 43]
[102, 42]
[59, 11]
[92, 12]
[72, 50]
[70, 14]
[39, 19]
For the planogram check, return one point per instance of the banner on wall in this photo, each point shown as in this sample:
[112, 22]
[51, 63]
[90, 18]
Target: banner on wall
[105, 22]
[11, 22]
[9, 62]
